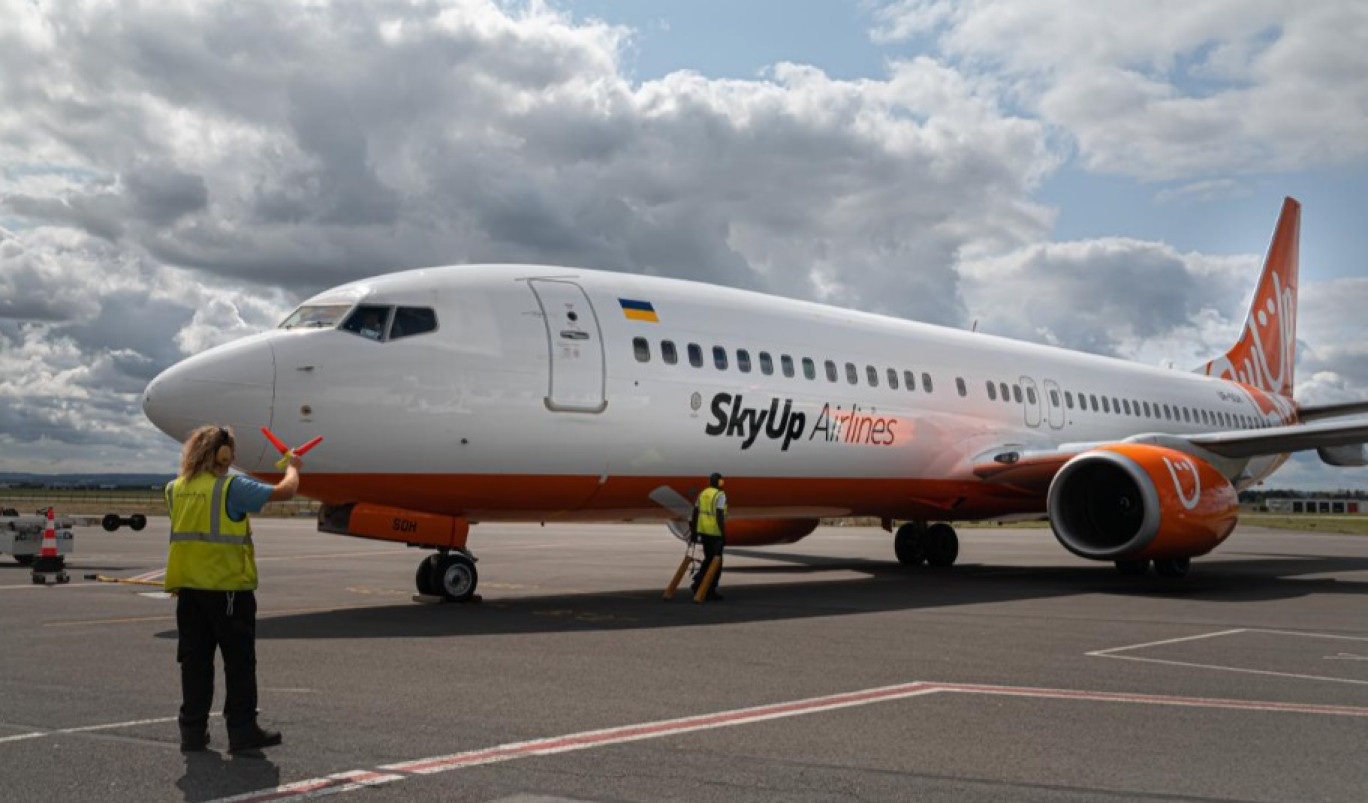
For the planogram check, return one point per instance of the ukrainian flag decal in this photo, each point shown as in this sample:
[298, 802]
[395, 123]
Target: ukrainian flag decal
[639, 310]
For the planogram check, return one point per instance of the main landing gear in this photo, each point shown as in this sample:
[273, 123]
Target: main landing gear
[1164, 567]
[448, 574]
[916, 543]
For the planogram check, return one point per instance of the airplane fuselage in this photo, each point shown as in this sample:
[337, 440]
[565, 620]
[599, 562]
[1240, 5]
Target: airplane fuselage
[547, 393]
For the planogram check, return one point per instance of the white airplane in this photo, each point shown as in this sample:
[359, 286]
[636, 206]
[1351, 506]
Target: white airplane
[460, 394]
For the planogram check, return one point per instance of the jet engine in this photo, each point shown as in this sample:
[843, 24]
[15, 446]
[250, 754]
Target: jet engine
[1139, 502]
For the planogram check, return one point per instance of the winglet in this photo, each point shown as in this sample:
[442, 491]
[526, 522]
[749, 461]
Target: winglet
[1264, 356]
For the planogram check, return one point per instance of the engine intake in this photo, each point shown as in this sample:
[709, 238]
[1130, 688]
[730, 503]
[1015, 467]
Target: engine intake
[1138, 501]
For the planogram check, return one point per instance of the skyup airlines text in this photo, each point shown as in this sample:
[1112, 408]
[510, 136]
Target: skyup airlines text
[731, 418]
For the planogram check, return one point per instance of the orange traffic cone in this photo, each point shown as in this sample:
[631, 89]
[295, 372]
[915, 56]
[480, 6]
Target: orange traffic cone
[50, 566]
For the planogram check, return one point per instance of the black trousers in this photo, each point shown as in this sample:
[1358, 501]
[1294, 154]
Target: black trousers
[223, 621]
[712, 551]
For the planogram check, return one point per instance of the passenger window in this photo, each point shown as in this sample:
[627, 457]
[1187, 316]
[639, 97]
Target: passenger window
[1116, 405]
[1187, 415]
[992, 391]
[1147, 409]
[960, 386]
[1068, 399]
[926, 382]
[668, 353]
[720, 358]
[369, 321]
[1168, 412]
[695, 355]
[1106, 408]
[831, 371]
[1030, 395]
[809, 368]
[1016, 393]
[642, 349]
[1006, 394]
[409, 321]
[743, 361]
[1126, 402]
[786, 364]
[1054, 398]
[872, 374]
[909, 380]
[1093, 396]
[766, 364]
[893, 378]
[852, 376]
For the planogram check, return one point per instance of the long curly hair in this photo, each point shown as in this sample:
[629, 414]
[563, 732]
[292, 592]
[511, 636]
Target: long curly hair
[200, 452]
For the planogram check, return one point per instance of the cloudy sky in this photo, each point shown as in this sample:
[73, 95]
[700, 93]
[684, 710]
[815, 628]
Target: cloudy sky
[1097, 176]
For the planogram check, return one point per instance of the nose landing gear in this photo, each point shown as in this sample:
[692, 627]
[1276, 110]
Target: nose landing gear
[450, 575]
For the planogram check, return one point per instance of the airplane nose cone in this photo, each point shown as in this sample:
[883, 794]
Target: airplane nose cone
[232, 385]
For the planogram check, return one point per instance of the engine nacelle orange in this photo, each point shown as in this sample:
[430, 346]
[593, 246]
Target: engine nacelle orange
[761, 532]
[1136, 501]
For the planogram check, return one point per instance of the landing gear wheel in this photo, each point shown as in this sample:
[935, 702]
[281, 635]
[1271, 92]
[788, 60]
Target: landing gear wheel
[1172, 567]
[908, 543]
[455, 577]
[110, 522]
[1132, 567]
[426, 577]
[941, 545]
[137, 521]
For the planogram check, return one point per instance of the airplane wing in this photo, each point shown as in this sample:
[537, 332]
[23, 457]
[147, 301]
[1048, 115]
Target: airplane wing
[1033, 470]
[1280, 440]
[1332, 410]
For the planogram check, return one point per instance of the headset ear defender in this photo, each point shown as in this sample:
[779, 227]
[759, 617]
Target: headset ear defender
[223, 455]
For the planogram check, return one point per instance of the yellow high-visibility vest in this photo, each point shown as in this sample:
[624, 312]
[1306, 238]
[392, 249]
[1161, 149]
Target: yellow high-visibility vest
[709, 502]
[209, 551]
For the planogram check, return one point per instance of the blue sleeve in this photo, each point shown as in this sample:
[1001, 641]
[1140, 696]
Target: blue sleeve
[246, 495]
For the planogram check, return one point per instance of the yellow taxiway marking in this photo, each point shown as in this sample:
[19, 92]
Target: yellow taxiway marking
[172, 617]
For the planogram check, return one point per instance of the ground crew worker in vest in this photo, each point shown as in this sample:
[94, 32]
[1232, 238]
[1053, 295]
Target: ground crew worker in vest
[211, 567]
[709, 527]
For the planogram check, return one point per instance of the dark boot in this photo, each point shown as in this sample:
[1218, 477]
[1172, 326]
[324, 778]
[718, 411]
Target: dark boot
[252, 737]
[193, 740]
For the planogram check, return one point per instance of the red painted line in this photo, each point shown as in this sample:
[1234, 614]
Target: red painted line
[347, 781]
[579, 741]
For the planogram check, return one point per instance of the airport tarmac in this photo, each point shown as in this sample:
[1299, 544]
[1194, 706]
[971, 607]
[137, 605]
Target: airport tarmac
[829, 673]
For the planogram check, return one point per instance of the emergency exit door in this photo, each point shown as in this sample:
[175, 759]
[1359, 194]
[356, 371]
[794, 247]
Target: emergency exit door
[576, 366]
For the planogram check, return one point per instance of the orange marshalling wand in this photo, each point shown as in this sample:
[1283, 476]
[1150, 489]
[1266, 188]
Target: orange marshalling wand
[285, 451]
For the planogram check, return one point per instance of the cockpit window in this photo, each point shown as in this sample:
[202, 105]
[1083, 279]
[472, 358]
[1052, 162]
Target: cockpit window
[412, 321]
[369, 321]
[315, 316]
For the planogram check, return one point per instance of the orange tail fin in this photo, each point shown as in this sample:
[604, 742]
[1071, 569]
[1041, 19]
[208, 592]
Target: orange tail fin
[1264, 356]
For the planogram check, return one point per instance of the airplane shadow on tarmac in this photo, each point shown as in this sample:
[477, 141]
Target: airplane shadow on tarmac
[886, 587]
[211, 775]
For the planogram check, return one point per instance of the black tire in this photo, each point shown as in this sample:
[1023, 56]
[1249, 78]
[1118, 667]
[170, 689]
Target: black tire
[111, 522]
[1172, 567]
[1132, 568]
[455, 577]
[908, 543]
[426, 577]
[25, 560]
[137, 521]
[942, 545]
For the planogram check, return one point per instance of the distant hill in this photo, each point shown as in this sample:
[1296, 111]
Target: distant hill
[15, 478]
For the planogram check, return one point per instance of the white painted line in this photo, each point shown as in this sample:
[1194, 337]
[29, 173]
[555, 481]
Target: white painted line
[1129, 647]
[1112, 653]
[387, 773]
[1292, 675]
[87, 728]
